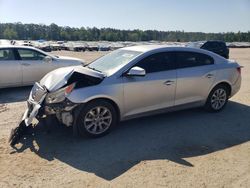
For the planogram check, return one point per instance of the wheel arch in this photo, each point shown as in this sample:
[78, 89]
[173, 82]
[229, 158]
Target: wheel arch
[112, 102]
[208, 103]
[225, 83]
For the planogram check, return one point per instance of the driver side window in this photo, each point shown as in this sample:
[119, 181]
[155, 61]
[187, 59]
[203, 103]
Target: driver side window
[157, 62]
[26, 54]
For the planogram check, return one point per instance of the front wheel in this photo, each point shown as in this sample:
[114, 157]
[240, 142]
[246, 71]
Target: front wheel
[96, 119]
[217, 98]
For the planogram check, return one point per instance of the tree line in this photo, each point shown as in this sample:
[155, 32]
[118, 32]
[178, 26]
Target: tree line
[19, 31]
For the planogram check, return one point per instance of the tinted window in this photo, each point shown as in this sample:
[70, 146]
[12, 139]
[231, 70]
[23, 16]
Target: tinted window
[193, 59]
[6, 54]
[213, 45]
[206, 45]
[157, 62]
[216, 45]
[221, 45]
[26, 54]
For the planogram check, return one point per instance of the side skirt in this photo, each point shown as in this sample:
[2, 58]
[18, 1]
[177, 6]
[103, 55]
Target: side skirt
[165, 110]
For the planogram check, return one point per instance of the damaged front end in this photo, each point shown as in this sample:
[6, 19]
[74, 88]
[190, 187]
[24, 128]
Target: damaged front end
[56, 103]
[49, 97]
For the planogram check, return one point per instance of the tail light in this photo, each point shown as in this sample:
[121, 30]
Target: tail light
[69, 88]
[239, 70]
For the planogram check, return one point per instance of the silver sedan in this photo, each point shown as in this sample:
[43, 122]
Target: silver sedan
[132, 82]
[23, 65]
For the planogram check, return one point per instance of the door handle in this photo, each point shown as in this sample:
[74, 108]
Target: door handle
[209, 75]
[168, 82]
[25, 64]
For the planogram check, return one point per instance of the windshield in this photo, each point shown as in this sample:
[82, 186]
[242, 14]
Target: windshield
[113, 61]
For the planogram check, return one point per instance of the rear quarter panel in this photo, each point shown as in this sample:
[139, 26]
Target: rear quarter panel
[227, 72]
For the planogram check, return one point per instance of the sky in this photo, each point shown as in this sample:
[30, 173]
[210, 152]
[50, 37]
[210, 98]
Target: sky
[165, 15]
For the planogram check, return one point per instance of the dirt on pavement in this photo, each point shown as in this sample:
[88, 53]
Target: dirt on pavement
[191, 148]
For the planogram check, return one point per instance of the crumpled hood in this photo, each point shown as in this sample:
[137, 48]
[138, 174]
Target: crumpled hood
[56, 79]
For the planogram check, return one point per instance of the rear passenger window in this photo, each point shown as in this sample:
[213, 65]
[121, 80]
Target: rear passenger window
[193, 59]
[6, 54]
[157, 62]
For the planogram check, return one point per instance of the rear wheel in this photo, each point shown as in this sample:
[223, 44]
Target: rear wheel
[217, 98]
[96, 119]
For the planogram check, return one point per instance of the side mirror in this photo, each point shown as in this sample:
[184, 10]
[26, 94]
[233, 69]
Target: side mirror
[136, 71]
[48, 59]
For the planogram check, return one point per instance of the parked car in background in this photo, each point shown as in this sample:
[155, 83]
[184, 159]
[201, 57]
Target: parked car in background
[132, 82]
[24, 65]
[218, 47]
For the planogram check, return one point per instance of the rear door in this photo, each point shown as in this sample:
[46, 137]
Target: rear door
[10, 68]
[33, 65]
[153, 91]
[195, 75]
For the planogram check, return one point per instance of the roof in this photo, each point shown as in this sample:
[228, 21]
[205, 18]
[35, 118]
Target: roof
[146, 48]
[158, 48]
[16, 46]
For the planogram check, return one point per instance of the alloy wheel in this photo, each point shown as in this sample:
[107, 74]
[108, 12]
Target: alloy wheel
[218, 98]
[98, 120]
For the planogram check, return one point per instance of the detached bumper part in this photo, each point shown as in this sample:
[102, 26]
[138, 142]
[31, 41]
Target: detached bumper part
[17, 133]
[29, 116]
[36, 97]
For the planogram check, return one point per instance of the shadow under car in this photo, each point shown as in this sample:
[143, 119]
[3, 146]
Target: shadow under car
[171, 136]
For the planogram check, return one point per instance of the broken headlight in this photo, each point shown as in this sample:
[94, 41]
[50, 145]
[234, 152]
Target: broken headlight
[59, 95]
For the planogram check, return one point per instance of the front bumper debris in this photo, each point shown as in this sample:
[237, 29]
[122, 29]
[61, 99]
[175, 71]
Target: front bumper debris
[36, 98]
[31, 113]
[37, 108]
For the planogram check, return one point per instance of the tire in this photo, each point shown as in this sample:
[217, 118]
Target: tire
[96, 119]
[217, 98]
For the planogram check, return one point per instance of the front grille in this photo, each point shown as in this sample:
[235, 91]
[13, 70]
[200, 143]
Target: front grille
[37, 92]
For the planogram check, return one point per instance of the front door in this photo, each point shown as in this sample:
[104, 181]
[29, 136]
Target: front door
[155, 90]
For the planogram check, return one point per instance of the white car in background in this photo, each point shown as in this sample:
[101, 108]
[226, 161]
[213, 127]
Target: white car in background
[23, 65]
